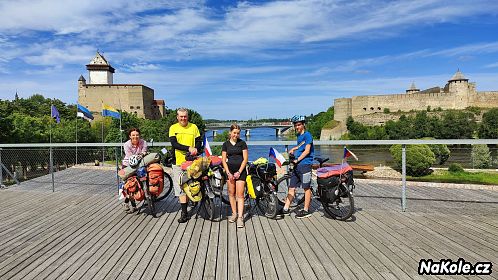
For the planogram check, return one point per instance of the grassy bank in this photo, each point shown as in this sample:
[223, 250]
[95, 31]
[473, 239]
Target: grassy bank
[442, 176]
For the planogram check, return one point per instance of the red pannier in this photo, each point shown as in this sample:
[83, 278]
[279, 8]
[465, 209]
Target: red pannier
[133, 190]
[156, 178]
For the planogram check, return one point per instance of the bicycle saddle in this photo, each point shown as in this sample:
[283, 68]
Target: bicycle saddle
[321, 160]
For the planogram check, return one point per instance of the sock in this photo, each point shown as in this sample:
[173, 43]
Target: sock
[184, 208]
[127, 200]
[286, 209]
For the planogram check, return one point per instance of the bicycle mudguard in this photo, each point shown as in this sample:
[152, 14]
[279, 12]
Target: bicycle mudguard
[335, 170]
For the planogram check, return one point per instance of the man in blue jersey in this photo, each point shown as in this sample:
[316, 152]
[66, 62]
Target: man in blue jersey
[304, 153]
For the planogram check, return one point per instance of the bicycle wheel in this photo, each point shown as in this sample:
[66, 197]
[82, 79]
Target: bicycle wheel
[218, 181]
[283, 187]
[342, 208]
[168, 186]
[208, 207]
[268, 204]
[151, 205]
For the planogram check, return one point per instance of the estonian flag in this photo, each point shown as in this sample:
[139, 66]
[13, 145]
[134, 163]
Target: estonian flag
[279, 158]
[348, 153]
[207, 148]
[55, 114]
[108, 111]
[84, 113]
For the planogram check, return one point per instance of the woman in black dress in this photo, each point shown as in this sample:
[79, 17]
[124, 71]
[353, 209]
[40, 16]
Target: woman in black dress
[234, 157]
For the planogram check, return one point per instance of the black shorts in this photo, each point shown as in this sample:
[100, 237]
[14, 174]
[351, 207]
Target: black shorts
[235, 168]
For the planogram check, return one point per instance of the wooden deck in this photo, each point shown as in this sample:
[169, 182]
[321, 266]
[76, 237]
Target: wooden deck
[81, 232]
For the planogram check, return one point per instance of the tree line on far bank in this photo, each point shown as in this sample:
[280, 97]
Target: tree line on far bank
[451, 124]
[28, 121]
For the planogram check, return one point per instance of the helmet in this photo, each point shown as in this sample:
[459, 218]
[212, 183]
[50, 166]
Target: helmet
[134, 160]
[298, 118]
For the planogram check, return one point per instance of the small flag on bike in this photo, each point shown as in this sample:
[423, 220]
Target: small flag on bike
[279, 158]
[207, 148]
[348, 153]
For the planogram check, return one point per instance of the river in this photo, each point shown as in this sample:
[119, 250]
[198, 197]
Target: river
[374, 155]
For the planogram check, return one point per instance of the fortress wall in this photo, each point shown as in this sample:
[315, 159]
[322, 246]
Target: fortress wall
[485, 99]
[375, 118]
[342, 109]
[117, 96]
[363, 105]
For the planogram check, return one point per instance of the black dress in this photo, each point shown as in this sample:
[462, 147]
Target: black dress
[235, 157]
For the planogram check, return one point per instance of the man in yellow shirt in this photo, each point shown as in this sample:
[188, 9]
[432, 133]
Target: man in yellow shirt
[184, 137]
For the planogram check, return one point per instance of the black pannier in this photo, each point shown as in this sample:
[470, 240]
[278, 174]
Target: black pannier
[257, 185]
[331, 187]
[263, 171]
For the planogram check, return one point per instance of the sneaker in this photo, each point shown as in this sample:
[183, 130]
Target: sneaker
[126, 207]
[303, 214]
[132, 210]
[232, 218]
[240, 223]
[283, 212]
[183, 218]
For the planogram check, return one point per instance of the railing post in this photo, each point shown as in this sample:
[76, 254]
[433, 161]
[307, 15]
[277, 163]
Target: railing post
[51, 164]
[116, 151]
[403, 177]
[1, 169]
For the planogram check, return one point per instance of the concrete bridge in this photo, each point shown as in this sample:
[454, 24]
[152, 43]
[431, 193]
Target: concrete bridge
[280, 127]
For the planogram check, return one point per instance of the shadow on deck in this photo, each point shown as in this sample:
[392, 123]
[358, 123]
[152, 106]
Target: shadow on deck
[81, 232]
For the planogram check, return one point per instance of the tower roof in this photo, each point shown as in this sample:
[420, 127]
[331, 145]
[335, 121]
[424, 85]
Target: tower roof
[99, 59]
[82, 79]
[99, 63]
[413, 87]
[458, 77]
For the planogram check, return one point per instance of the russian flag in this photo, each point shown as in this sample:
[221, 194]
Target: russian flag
[279, 158]
[207, 148]
[348, 153]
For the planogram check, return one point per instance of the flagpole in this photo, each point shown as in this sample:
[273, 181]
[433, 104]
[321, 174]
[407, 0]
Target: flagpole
[102, 130]
[76, 136]
[51, 164]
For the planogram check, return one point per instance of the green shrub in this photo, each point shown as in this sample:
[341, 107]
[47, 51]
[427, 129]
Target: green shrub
[455, 168]
[441, 152]
[387, 111]
[481, 156]
[419, 159]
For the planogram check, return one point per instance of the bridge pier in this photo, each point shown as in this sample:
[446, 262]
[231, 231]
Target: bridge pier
[278, 132]
[215, 132]
[248, 133]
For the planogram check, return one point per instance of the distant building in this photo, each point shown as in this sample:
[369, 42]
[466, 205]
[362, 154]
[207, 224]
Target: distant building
[458, 93]
[100, 89]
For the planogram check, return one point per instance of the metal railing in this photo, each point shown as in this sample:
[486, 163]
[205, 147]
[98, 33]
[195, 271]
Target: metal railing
[20, 162]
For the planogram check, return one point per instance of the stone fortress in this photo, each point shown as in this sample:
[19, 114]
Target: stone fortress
[100, 89]
[458, 93]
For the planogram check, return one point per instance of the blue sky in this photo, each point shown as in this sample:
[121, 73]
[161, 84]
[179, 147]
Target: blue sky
[252, 59]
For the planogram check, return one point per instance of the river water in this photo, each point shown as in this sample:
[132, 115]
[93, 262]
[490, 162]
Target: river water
[374, 155]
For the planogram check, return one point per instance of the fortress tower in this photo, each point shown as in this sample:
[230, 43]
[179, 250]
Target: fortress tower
[458, 93]
[100, 89]
[100, 71]
[412, 89]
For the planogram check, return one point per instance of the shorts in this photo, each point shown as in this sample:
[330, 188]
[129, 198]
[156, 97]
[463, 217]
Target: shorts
[235, 168]
[177, 172]
[301, 177]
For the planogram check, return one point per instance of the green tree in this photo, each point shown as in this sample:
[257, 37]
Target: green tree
[481, 156]
[317, 122]
[489, 125]
[457, 125]
[419, 159]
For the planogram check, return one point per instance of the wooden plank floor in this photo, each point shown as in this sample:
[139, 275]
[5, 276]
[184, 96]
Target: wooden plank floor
[80, 232]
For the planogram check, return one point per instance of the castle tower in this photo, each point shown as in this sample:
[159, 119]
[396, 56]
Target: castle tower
[412, 89]
[458, 83]
[100, 71]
